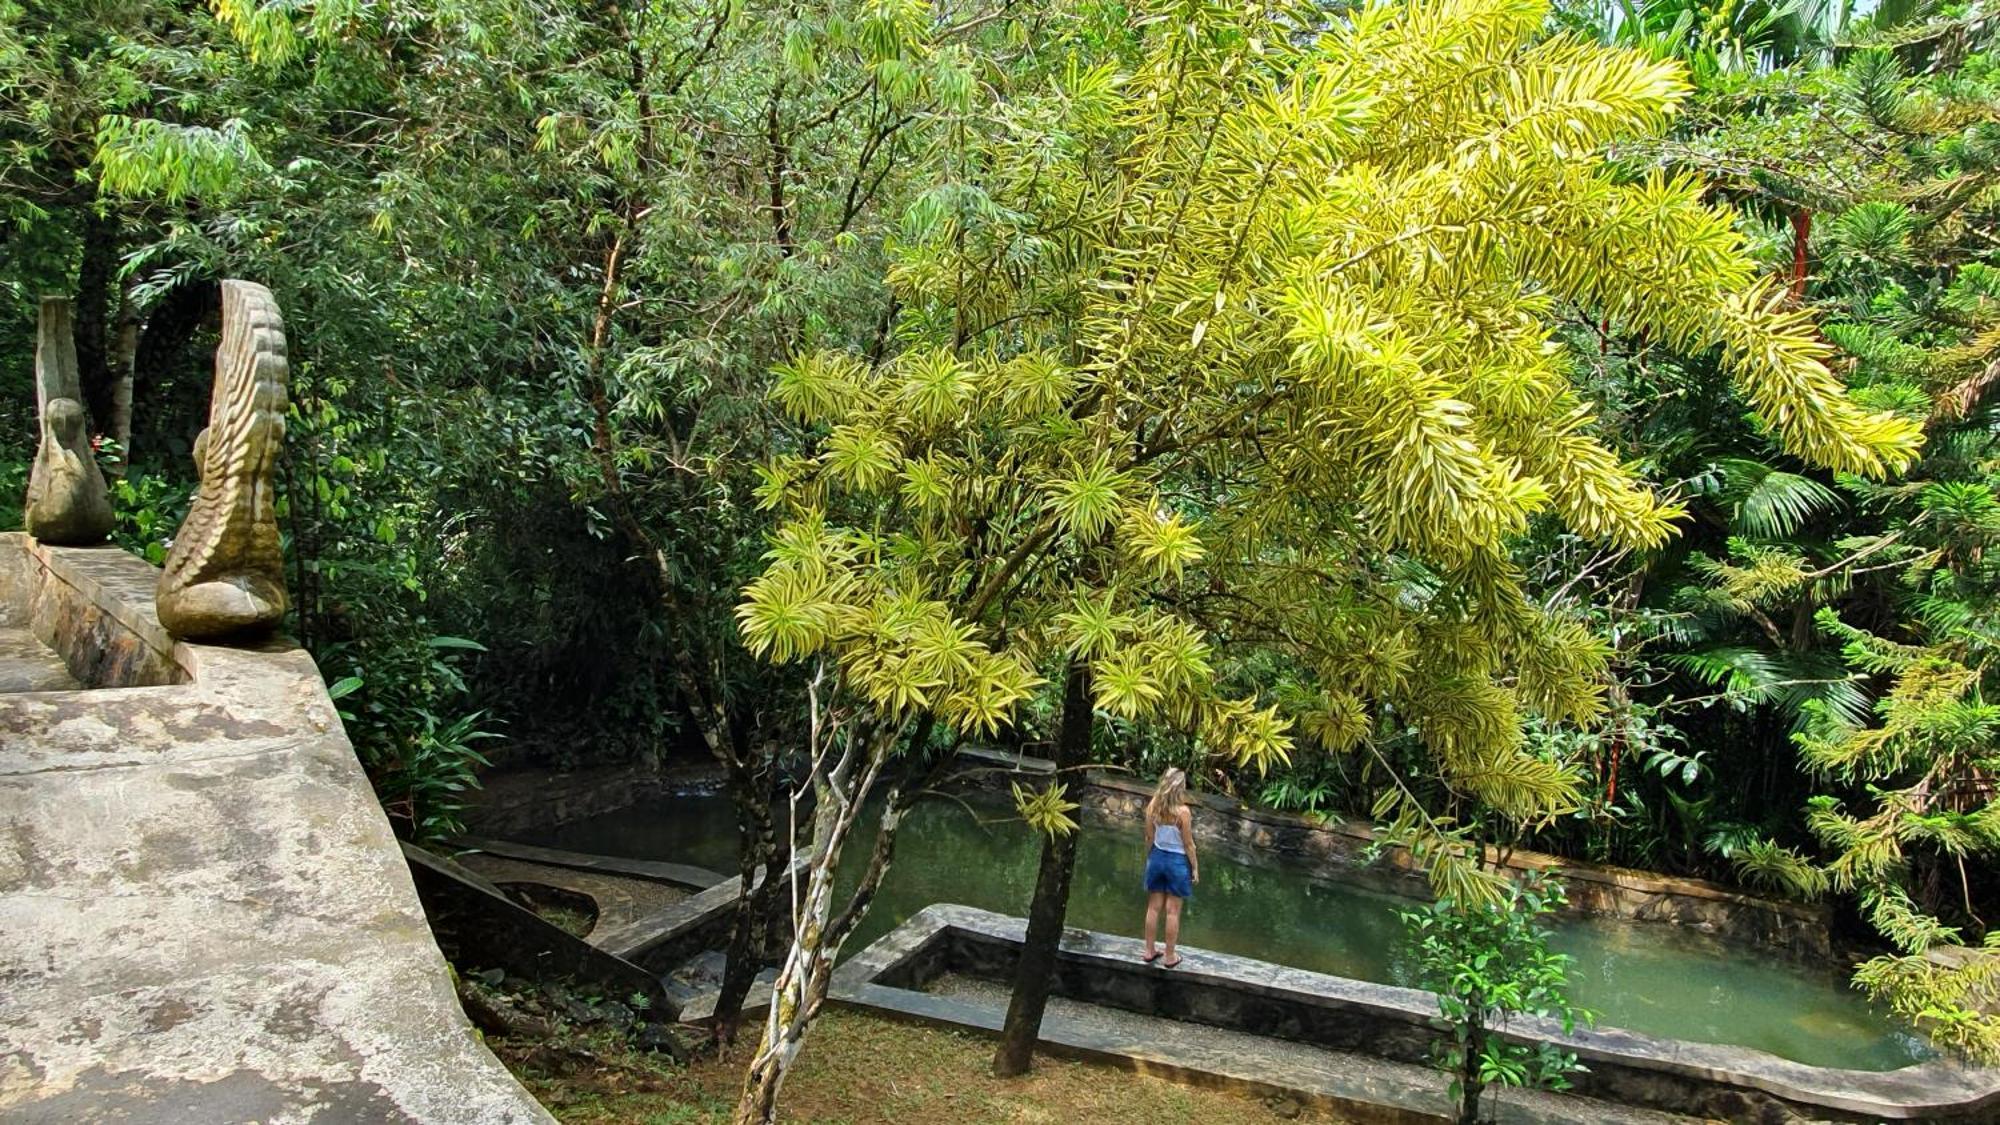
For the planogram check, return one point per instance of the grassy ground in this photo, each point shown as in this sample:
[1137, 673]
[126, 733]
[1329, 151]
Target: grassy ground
[862, 1070]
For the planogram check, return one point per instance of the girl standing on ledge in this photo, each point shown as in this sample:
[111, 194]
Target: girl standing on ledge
[1172, 869]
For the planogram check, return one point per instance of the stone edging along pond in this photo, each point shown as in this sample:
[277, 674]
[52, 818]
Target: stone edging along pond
[1346, 847]
[1393, 1023]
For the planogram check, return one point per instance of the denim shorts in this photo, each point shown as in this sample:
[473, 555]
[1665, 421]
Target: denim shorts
[1168, 871]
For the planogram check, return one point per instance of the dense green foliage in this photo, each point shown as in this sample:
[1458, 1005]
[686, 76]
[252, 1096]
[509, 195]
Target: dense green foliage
[1554, 427]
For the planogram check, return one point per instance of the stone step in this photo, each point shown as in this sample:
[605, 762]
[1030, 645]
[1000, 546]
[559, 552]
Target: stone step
[26, 664]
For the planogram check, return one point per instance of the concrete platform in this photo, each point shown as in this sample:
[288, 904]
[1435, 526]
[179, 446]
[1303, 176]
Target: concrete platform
[206, 918]
[1359, 1087]
[1379, 1026]
[620, 902]
[26, 664]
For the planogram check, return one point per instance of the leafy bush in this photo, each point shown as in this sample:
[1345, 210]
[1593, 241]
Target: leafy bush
[1486, 962]
[148, 508]
[398, 703]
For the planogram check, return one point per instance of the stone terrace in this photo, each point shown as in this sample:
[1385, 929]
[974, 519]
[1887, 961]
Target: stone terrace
[205, 915]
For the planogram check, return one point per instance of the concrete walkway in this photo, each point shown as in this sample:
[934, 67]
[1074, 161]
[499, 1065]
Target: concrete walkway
[620, 902]
[206, 917]
[1369, 1089]
[27, 664]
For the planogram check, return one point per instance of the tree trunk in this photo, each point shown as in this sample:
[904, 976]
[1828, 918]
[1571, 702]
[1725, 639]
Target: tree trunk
[800, 990]
[1470, 1087]
[171, 326]
[1801, 239]
[1036, 971]
[124, 357]
[93, 317]
[761, 865]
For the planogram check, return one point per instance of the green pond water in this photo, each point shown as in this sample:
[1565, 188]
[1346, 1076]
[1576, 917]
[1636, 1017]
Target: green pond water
[1645, 978]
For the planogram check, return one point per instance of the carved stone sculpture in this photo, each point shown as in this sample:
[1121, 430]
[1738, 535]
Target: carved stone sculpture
[225, 575]
[67, 503]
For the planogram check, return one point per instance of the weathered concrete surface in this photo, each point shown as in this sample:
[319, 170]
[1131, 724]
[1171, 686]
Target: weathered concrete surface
[26, 664]
[1230, 993]
[617, 901]
[206, 917]
[666, 939]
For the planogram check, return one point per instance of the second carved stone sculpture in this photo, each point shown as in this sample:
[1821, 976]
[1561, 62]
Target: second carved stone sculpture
[67, 504]
[225, 575]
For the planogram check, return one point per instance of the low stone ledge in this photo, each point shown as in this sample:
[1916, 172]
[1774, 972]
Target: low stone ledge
[1214, 989]
[683, 875]
[93, 608]
[662, 941]
[1360, 1089]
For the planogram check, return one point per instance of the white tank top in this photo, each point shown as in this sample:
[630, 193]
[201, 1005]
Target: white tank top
[1167, 838]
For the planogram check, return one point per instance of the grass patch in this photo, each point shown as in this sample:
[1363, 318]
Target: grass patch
[859, 1069]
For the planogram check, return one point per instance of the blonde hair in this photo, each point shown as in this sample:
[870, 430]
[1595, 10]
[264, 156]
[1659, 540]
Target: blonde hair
[1169, 798]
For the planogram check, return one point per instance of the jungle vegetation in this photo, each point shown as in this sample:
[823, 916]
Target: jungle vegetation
[1523, 424]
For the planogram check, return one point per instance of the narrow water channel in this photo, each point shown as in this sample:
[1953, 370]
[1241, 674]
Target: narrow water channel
[1646, 978]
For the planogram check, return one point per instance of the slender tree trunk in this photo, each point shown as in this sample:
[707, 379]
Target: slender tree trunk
[1801, 238]
[799, 992]
[1036, 971]
[93, 315]
[1470, 1086]
[124, 358]
[761, 865]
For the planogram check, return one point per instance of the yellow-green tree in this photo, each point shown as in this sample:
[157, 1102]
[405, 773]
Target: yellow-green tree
[1263, 302]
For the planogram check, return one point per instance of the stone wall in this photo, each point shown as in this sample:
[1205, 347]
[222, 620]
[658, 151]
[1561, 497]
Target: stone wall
[93, 608]
[1349, 848]
[486, 929]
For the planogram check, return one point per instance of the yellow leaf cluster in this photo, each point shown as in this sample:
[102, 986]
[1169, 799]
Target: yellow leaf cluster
[1262, 324]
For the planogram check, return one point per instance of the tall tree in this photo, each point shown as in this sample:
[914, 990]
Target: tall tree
[1276, 308]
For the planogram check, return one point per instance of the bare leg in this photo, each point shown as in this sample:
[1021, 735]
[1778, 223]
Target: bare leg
[1173, 925]
[1153, 901]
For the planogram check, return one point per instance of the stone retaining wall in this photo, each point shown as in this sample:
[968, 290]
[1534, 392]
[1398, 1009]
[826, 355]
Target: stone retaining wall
[491, 931]
[1348, 847]
[514, 803]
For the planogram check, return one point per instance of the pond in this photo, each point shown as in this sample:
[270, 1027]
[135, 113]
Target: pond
[1653, 979]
